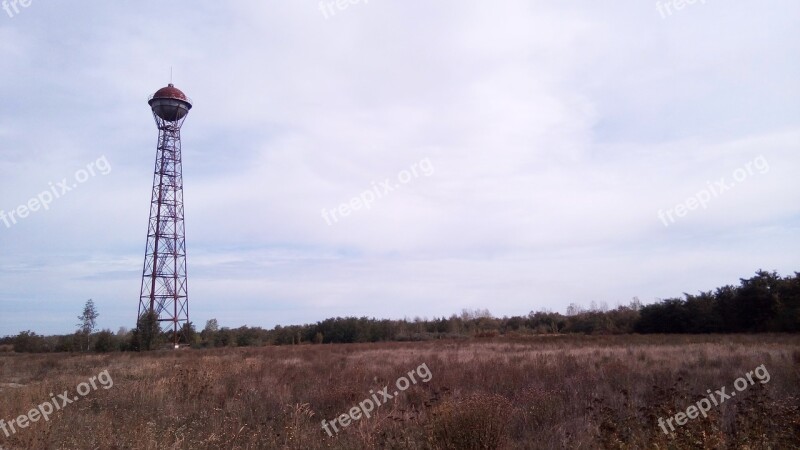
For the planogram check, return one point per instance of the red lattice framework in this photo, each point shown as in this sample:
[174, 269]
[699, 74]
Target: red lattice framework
[164, 287]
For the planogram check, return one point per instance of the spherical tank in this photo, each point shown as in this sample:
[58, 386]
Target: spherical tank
[170, 103]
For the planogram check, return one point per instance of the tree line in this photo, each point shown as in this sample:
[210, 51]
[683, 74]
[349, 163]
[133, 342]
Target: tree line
[765, 302]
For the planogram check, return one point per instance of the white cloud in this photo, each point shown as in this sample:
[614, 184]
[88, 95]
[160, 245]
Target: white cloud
[557, 132]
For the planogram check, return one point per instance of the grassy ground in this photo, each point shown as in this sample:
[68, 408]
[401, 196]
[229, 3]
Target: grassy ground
[543, 392]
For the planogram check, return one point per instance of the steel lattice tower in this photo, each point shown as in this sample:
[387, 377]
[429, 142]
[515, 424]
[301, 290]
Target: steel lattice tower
[164, 283]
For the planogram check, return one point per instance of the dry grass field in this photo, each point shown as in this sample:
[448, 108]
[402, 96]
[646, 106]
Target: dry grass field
[542, 392]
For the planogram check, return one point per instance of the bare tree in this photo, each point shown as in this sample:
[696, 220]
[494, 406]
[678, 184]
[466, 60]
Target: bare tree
[88, 321]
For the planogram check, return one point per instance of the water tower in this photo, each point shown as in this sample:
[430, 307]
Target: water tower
[164, 288]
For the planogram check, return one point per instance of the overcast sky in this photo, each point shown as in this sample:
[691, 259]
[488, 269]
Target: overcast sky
[529, 145]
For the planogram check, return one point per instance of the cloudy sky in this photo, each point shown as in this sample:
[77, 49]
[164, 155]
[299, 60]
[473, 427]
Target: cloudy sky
[538, 154]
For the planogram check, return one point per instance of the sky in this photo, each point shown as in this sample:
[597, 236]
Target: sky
[398, 159]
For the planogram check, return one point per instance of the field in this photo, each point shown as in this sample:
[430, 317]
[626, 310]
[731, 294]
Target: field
[537, 392]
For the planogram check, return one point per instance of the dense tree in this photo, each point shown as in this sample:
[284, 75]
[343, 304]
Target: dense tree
[212, 326]
[188, 335]
[30, 342]
[106, 341]
[763, 303]
[147, 334]
[788, 315]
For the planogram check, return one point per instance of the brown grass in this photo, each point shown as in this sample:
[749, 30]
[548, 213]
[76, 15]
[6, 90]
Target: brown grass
[546, 392]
